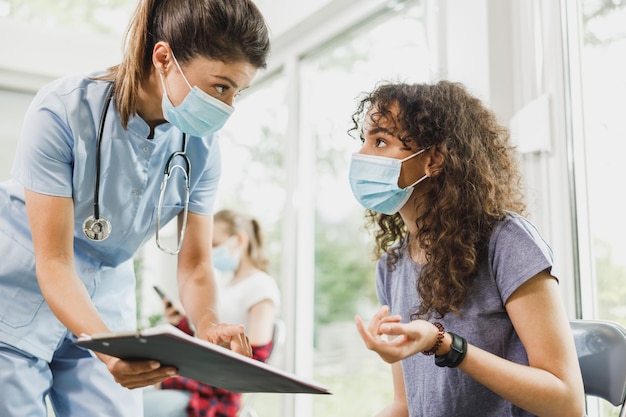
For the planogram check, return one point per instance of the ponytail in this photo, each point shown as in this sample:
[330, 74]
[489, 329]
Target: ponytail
[255, 248]
[239, 222]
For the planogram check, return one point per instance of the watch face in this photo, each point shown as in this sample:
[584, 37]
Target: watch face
[455, 356]
[457, 343]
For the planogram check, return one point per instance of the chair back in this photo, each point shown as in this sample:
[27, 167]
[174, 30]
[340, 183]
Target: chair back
[278, 334]
[601, 348]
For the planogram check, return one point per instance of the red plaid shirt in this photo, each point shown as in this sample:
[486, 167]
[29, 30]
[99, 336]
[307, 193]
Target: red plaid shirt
[208, 401]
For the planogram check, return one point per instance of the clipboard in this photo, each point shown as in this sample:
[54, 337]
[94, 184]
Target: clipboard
[199, 360]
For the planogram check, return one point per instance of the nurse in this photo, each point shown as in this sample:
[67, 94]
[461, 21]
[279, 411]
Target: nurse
[88, 190]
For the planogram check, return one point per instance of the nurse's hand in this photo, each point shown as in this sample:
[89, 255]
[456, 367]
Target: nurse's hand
[137, 374]
[230, 336]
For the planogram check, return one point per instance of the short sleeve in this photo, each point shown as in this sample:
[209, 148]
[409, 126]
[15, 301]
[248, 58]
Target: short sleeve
[202, 198]
[44, 157]
[381, 282]
[261, 287]
[517, 253]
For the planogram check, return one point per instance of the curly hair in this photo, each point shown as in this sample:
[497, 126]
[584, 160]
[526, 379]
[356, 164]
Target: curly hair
[478, 184]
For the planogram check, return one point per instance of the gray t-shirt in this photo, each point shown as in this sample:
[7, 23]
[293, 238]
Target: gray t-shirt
[516, 253]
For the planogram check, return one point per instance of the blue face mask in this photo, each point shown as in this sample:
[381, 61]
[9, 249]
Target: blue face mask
[374, 182]
[226, 257]
[200, 114]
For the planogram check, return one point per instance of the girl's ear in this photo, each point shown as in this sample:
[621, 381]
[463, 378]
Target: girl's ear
[242, 239]
[435, 162]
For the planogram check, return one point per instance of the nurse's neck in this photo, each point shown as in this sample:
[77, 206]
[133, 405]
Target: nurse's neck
[149, 104]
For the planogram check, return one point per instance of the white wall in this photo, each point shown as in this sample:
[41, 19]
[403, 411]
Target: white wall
[33, 55]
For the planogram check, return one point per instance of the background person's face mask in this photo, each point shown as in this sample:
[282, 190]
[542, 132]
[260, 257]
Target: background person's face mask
[200, 114]
[226, 256]
[374, 182]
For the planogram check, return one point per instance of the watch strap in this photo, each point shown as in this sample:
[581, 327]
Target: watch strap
[455, 356]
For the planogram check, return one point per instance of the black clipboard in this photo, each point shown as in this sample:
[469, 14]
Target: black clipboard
[200, 360]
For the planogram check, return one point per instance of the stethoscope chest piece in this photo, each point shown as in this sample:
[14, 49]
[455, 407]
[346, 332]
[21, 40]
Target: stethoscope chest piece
[97, 229]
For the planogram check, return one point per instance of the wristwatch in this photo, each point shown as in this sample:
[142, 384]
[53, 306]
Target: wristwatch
[455, 356]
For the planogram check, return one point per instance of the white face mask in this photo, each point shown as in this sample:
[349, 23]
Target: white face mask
[374, 182]
[200, 114]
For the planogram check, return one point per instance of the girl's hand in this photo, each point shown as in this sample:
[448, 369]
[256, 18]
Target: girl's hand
[394, 341]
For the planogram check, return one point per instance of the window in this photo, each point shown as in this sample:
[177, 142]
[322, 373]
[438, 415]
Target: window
[104, 16]
[604, 102]
[286, 153]
[597, 42]
[389, 47]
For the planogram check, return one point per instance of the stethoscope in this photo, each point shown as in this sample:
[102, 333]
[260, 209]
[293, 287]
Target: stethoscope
[98, 228]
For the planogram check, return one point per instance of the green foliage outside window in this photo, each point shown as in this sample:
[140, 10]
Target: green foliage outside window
[344, 272]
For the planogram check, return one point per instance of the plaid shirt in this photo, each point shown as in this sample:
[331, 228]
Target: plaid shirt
[208, 401]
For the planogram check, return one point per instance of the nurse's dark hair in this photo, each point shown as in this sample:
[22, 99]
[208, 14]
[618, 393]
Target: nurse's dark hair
[230, 31]
[479, 182]
[237, 222]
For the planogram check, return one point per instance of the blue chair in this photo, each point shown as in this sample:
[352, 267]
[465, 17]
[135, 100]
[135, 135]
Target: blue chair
[601, 348]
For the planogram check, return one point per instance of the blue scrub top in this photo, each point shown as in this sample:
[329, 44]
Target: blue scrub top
[56, 155]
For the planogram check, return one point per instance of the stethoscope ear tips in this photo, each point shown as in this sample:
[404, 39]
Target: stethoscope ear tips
[98, 229]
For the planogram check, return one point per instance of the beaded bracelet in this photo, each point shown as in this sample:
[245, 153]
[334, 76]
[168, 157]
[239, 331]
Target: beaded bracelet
[434, 349]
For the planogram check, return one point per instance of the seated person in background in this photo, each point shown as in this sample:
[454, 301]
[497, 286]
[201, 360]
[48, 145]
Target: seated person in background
[248, 295]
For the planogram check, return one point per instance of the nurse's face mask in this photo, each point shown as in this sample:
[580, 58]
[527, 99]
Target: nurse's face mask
[200, 114]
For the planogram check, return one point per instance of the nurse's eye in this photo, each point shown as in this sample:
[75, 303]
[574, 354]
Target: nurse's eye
[221, 89]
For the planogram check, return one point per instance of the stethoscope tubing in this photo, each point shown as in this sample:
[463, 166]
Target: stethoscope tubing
[98, 228]
[96, 188]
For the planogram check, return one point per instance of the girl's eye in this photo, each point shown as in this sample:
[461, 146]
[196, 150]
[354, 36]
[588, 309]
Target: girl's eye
[380, 143]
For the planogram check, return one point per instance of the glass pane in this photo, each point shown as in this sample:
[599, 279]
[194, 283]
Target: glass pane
[253, 181]
[604, 93]
[101, 16]
[393, 48]
[252, 144]
[283, 15]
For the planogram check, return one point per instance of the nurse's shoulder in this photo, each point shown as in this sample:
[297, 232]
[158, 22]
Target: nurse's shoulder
[68, 92]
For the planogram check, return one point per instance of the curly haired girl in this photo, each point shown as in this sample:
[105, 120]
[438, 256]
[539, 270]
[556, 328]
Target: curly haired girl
[462, 276]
